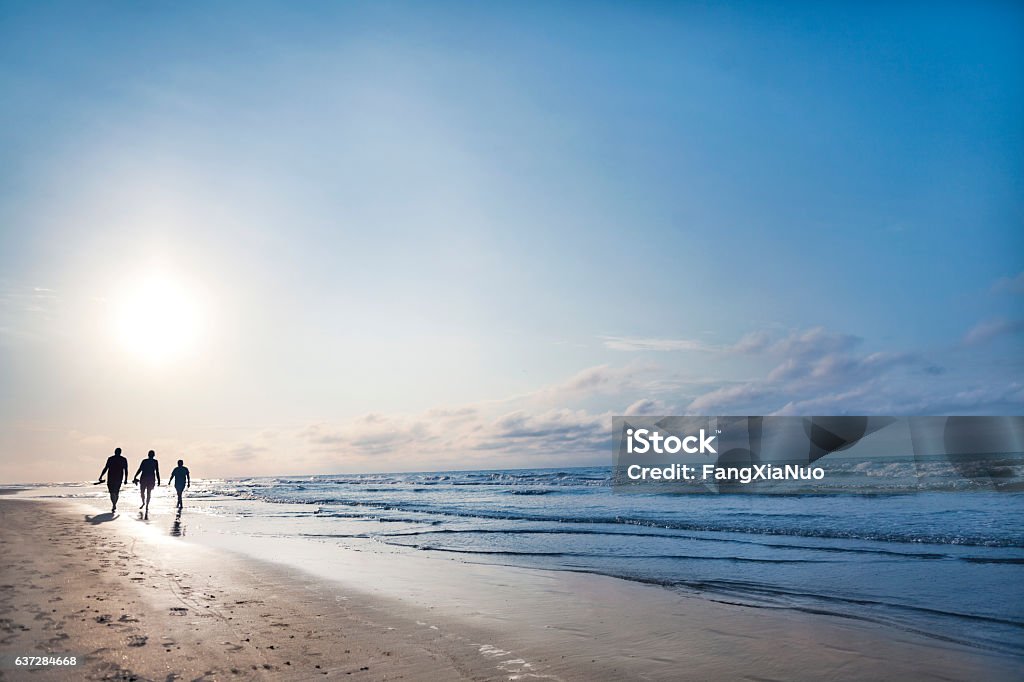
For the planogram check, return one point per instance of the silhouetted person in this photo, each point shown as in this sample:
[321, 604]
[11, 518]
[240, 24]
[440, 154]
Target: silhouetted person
[117, 469]
[147, 476]
[181, 479]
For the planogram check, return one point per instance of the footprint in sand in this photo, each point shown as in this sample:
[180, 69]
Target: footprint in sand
[178, 611]
[138, 640]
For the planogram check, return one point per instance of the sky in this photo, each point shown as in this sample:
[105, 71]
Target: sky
[287, 238]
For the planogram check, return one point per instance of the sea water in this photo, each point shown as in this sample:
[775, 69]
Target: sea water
[903, 550]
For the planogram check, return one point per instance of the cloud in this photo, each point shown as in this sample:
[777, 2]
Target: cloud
[985, 331]
[566, 423]
[458, 413]
[600, 379]
[720, 400]
[838, 403]
[28, 314]
[813, 363]
[246, 452]
[789, 369]
[647, 406]
[812, 342]
[473, 440]
[633, 343]
[29, 299]
[590, 379]
[819, 371]
[880, 397]
[754, 342]
[546, 432]
[1009, 285]
[837, 367]
[260, 452]
[986, 396]
[371, 434]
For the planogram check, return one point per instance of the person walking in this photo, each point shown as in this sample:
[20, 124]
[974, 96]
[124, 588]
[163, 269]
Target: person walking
[181, 479]
[116, 469]
[147, 476]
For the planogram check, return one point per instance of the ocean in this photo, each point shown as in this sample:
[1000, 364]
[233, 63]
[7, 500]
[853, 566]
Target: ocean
[917, 556]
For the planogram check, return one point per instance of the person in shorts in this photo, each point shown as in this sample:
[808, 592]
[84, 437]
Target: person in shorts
[180, 479]
[116, 469]
[147, 477]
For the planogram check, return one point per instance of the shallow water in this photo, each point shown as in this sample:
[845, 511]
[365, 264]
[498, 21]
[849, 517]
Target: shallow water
[946, 564]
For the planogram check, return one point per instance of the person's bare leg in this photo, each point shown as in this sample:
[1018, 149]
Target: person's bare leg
[142, 495]
[179, 498]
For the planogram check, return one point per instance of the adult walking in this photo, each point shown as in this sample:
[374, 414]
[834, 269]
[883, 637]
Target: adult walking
[180, 479]
[147, 477]
[116, 469]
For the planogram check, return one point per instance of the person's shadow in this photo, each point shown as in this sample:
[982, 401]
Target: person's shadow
[100, 518]
[177, 530]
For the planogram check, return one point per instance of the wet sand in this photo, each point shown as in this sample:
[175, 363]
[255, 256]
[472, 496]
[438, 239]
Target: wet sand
[138, 605]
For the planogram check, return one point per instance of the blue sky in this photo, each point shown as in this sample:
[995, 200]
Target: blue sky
[462, 235]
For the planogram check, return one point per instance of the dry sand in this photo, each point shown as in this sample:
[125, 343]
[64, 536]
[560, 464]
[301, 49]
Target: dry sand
[139, 607]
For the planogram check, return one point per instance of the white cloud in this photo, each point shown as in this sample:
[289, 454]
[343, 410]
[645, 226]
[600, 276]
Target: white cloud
[809, 371]
[633, 343]
[813, 342]
[647, 406]
[754, 342]
[819, 371]
[896, 397]
[597, 380]
[1009, 285]
[721, 400]
[849, 401]
[990, 329]
[418, 441]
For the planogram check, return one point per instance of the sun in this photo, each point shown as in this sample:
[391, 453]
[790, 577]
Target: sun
[157, 321]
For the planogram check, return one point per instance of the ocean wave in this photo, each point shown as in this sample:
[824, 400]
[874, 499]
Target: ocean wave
[875, 533]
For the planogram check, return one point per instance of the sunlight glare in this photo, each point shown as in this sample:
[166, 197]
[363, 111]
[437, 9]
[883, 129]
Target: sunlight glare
[157, 321]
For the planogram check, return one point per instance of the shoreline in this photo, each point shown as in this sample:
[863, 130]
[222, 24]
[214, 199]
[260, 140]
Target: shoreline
[400, 616]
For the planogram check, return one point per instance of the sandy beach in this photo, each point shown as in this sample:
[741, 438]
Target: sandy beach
[141, 605]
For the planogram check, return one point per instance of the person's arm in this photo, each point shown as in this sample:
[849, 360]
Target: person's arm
[126, 471]
[105, 467]
[135, 478]
[156, 465]
[188, 479]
